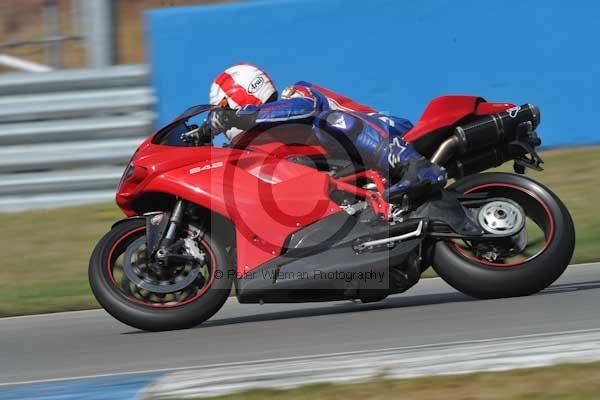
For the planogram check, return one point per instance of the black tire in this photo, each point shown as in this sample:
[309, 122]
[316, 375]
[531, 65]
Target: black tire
[146, 317]
[483, 281]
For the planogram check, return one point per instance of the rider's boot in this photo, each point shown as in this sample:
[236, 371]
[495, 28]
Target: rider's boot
[412, 175]
[420, 178]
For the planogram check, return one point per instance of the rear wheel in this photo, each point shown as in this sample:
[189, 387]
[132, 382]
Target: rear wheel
[526, 264]
[128, 287]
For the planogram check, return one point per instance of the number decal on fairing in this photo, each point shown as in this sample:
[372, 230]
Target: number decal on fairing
[206, 167]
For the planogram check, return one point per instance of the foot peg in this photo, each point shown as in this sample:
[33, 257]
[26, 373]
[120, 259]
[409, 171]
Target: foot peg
[372, 244]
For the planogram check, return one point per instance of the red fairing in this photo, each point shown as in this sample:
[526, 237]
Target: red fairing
[443, 111]
[492, 108]
[266, 197]
[447, 110]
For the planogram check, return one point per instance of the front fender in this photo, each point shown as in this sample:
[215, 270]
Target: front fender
[122, 221]
[144, 217]
[156, 224]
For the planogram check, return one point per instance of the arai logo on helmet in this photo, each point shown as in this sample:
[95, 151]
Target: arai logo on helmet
[256, 84]
[206, 167]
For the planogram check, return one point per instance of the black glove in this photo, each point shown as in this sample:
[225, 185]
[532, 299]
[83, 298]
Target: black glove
[223, 119]
[197, 135]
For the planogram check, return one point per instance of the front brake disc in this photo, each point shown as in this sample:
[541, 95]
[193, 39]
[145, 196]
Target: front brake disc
[142, 277]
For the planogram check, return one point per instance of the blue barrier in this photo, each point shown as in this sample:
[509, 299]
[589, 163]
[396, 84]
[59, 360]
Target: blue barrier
[394, 55]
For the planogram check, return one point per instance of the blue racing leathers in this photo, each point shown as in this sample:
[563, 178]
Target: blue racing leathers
[346, 128]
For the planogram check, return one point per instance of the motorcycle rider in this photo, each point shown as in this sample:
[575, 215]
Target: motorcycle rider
[248, 99]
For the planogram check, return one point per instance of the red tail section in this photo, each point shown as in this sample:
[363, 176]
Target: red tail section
[447, 110]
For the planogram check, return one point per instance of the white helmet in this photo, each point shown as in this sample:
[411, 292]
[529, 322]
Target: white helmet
[242, 85]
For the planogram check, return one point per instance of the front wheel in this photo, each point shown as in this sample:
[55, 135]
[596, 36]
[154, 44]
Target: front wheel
[486, 270]
[129, 288]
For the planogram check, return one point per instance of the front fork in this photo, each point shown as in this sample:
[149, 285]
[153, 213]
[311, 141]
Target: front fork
[162, 234]
[174, 224]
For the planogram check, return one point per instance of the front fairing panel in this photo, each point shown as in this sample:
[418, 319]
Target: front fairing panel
[266, 197]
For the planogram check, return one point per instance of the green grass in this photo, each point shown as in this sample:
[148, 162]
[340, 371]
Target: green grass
[45, 253]
[573, 175]
[562, 382]
[44, 268]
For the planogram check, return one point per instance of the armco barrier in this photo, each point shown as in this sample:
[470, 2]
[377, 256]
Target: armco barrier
[66, 136]
[134, 125]
[56, 156]
[74, 104]
[99, 178]
[72, 80]
[394, 55]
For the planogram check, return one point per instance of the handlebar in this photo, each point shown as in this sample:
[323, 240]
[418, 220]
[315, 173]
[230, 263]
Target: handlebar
[198, 136]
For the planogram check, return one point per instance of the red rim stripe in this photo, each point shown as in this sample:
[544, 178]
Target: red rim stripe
[157, 305]
[535, 197]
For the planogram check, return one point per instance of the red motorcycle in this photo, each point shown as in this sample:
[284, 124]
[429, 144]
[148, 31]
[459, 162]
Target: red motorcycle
[273, 215]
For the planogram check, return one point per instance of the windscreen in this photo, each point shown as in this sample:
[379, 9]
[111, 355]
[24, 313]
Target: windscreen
[170, 134]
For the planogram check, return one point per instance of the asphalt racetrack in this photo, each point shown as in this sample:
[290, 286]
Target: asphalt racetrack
[56, 347]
